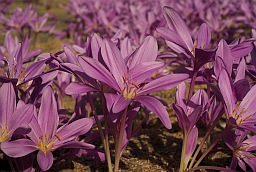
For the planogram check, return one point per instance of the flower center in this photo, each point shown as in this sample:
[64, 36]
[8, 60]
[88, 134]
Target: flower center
[44, 143]
[130, 89]
[4, 133]
[129, 93]
[240, 114]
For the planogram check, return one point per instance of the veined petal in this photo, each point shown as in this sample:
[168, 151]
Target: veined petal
[45, 160]
[227, 91]
[194, 116]
[182, 117]
[21, 117]
[77, 88]
[9, 42]
[35, 69]
[36, 131]
[48, 117]
[114, 61]
[18, 148]
[224, 52]
[241, 70]
[240, 50]
[7, 102]
[126, 47]
[79, 49]
[218, 65]
[242, 87]
[143, 71]
[146, 52]
[96, 43]
[163, 83]
[110, 100]
[120, 103]
[70, 55]
[96, 70]
[78, 145]
[180, 98]
[18, 60]
[204, 36]
[251, 161]
[72, 130]
[248, 103]
[177, 24]
[251, 142]
[31, 54]
[199, 98]
[157, 108]
[191, 143]
[174, 38]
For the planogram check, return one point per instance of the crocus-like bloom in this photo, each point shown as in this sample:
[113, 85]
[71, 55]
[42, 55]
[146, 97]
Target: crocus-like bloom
[188, 113]
[178, 38]
[130, 77]
[46, 136]
[11, 116]
[19, 19]
[242, 149]
[13, 58]
[242, 114]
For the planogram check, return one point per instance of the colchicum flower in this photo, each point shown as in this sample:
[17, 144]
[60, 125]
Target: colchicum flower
[242, 148]
[130, 77]
[46, 136]
[12, 116]
[241, 114]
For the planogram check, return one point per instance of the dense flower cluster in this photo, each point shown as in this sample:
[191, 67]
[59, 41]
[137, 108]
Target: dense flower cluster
[123, 51]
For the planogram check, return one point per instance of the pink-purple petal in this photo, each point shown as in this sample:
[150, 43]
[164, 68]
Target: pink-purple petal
[21, 117]
[74, 129]
[96, 70]
[70, 55]
[224, 52]
[204, 36]
[173, 38]
[48, 117]
[248, 103]
[163, 83]
[146, 52]
[45, 160]
[18, 148]
[114, 61]
[77, 88]
[180, 98]
[7, 102]
[227, 91]
[177, 24]
[157, 108]
[191, 143]
[140, 73]
[120, 103]
[96, 43]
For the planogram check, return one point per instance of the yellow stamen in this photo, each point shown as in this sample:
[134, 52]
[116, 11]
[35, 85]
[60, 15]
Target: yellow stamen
[58, 137]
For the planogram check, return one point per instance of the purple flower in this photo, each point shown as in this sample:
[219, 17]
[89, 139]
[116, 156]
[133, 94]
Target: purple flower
[241, 114]
[19, 19]
[242, 148]
[130, 77]
[46, 136]
[188, 113]
[12, 116]
[13, 56]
